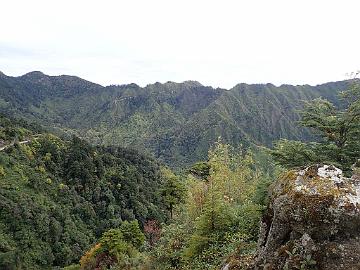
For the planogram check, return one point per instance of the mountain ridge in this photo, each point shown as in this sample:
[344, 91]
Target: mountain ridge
[177, 122]
[185, 81]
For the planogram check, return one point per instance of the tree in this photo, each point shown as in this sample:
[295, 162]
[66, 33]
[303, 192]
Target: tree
[292, 154]
[220, 215]
[173, 191]
[117, 247]
[338, 128]
[132, 233]
[152, 230]
[226, 208]
[200, 169]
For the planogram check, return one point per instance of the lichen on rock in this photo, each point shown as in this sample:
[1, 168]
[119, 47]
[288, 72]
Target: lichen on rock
[312, 221]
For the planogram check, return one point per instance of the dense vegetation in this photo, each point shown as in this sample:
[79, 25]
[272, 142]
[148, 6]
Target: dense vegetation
[338, 128]
[220, 216]
[62, 200]
[215, 218]
[177, 122]
[57, 197]
[67, 203]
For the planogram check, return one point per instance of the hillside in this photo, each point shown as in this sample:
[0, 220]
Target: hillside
[177, 122]
[58, 196]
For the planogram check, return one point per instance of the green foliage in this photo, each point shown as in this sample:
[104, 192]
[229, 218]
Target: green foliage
[72, 267]
[200, 169]
[116, 248]
[167, 253]
[114, 243]
[2, 171]
[292, 154]
[173, 191]
[220, 215]
[12, 130]
[58, 196]
[228, 190]
[132, 233]
[339, 129]
[177, 122]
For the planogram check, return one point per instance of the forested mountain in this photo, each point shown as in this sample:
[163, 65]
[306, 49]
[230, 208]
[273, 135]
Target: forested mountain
[67, 203]
[58, 196]
[177, 122]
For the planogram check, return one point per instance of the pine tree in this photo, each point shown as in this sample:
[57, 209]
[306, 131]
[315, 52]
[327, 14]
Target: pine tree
[173, 191]
[338, 128]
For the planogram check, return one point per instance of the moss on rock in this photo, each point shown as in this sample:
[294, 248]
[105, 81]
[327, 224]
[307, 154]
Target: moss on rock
[312, 221]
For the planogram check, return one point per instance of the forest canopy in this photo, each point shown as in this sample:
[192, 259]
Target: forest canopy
[58, 196]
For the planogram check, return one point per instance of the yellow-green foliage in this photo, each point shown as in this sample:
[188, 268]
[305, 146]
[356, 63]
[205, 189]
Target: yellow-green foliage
[196, 191]
[41, 169]
[19, 170]
[47, 157]
[230, 188]
[2, 171]
[28, 151]
[48, 180]
[88, 261]
[72, 267]
[117, 248]
[220, 215]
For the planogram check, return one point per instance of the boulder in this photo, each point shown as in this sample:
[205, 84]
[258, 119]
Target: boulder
[312, 221]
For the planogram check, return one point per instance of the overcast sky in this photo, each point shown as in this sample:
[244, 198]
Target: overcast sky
[218, 43]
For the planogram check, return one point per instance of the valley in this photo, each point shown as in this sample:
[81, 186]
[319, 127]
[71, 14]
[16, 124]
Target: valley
[174, 175]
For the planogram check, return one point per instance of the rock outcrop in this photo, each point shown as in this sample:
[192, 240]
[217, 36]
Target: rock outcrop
[312, 222]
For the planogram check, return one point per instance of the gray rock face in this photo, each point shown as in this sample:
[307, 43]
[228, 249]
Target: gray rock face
[312, 222]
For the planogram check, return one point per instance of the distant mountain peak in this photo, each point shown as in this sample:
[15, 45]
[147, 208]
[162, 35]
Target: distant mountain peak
[133, 85]
[188, 83]
[34, 74]
[192, 83]
[244, 85]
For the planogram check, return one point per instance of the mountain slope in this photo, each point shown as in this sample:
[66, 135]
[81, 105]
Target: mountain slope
[57, 196]
[175, 121]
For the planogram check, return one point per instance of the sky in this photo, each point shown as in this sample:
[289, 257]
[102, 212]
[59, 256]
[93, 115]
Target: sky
[218, 43]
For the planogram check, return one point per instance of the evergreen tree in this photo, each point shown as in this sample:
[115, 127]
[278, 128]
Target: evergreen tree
[338, 129]
[173, 191]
